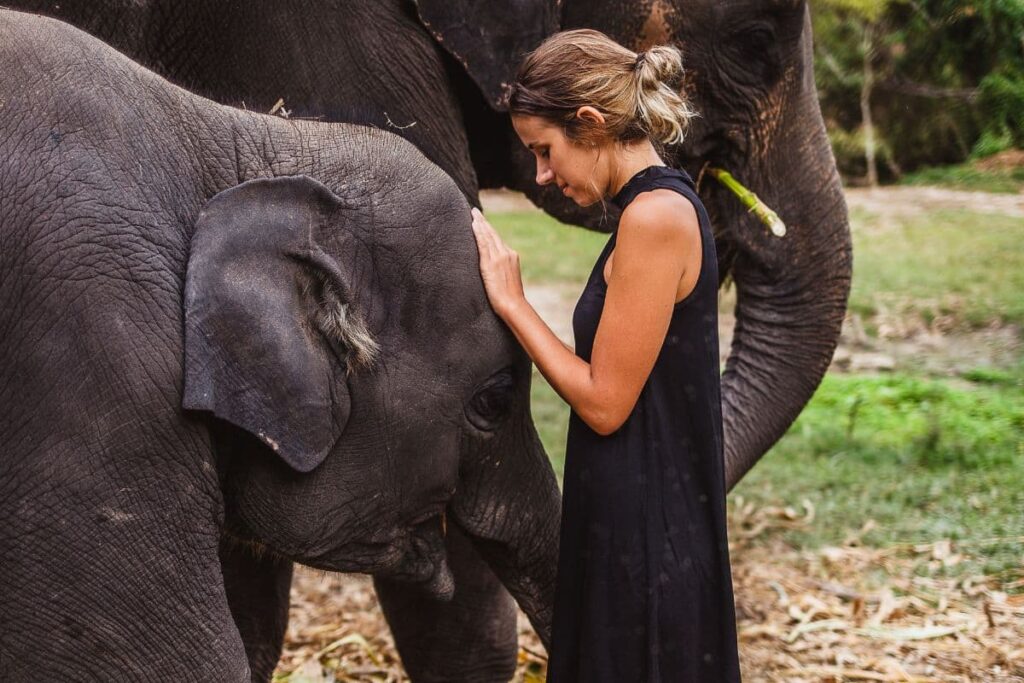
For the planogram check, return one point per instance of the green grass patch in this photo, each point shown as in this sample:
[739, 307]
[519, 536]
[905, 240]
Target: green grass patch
[550, 252]
[923, 459]
[995, 376]
[966, 266]
[969, 177]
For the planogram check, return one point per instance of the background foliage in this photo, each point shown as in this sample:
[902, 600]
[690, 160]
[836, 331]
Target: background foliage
[943, 80]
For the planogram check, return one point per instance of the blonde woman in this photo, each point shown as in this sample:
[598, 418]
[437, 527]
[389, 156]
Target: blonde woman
[644, 590]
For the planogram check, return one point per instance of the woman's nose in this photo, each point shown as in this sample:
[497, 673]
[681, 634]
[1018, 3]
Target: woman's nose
[544, 174]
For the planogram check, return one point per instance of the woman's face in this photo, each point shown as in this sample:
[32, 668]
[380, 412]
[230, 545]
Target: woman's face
[577, 170]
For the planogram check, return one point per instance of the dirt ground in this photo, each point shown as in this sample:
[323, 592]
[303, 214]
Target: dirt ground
[803, 617]
[845, 613]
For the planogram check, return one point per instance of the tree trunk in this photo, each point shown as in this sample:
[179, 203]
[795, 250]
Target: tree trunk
[865, 107]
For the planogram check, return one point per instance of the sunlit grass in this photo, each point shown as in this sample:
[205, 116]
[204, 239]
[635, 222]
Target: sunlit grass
[962, 264]
[923, 458]
[969, 177]
[550, 251]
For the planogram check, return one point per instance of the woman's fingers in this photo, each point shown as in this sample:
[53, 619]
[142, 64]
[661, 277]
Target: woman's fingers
[488, 240]
[484, 231]
[480, 232]
[499, 265]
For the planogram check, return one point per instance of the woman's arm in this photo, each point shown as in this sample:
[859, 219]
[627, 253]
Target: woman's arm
[658, 239]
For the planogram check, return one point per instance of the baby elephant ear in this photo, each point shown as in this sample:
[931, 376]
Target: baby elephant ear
[490, 38]
[270, 328]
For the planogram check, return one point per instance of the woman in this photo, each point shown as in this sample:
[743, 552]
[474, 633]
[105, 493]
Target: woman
[644, 591]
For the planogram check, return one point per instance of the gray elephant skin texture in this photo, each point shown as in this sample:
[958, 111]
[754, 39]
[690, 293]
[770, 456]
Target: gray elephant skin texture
[439, 70]
[227, 342]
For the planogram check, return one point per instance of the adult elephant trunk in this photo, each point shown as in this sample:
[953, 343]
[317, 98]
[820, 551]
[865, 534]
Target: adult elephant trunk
[787, 327]
[517, 535]
[791, 291]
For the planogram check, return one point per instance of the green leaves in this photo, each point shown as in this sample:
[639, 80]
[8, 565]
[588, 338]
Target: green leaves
[945, 79]
[870, 11]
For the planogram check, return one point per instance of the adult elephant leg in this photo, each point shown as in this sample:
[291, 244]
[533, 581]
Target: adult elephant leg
[470, 638]
[257, 586]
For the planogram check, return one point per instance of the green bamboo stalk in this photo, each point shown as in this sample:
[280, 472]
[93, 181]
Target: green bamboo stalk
[751, 201]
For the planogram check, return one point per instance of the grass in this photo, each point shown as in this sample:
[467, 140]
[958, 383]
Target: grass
[969, 177]
[551, 417]
[966, 266]
[551, 252]
[924, 458]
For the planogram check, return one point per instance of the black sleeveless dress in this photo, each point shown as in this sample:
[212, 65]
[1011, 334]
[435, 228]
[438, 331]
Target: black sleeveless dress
[644, 591]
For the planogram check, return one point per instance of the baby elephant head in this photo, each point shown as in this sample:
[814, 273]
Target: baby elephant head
[353, 338]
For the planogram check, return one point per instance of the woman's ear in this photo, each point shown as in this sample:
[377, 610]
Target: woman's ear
[590, 115]
[271, 330]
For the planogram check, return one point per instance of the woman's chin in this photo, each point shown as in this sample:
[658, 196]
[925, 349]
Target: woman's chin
[580, 199]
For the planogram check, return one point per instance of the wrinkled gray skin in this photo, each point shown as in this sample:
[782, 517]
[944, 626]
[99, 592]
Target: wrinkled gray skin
[438, 69]
[190, 299]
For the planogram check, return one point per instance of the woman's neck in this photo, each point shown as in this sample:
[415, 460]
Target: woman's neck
[630, 159]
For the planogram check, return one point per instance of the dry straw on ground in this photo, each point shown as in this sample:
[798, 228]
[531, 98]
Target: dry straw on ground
[846, 613]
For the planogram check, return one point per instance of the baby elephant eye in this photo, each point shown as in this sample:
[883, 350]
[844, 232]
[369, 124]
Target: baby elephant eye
[492, 401]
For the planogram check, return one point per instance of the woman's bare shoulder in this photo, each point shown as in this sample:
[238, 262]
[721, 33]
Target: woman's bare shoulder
[661, 215]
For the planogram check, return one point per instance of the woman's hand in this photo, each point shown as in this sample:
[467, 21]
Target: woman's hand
[499, 267]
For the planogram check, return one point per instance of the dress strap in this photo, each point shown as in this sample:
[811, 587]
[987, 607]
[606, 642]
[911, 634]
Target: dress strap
[650, 178]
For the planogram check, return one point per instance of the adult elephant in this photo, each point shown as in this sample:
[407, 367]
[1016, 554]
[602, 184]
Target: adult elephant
[229, 339]
[438, 70]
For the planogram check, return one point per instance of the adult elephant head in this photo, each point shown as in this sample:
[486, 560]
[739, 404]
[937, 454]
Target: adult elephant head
[749, 73]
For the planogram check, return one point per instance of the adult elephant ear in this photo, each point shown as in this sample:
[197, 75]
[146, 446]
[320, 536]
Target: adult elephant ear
[490, 38]
[271, 327]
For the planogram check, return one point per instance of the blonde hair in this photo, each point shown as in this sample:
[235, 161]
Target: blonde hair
[637, 93]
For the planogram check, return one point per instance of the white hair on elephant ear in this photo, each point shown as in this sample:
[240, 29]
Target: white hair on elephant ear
[337, 321]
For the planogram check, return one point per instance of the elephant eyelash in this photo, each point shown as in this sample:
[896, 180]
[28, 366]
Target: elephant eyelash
[335, 320]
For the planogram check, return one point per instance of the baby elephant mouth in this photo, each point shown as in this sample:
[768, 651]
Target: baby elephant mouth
[425, 560]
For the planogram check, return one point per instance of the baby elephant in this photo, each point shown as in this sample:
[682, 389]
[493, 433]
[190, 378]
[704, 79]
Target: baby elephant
[230, 341]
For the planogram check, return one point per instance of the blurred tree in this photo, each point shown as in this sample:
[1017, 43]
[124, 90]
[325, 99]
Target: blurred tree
[916, 82]
[855, 36]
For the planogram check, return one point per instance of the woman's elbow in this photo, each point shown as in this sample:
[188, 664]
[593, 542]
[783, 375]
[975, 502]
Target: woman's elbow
[606, 428]
[606, 423]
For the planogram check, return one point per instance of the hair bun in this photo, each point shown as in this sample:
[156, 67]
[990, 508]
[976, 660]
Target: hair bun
[640, 94]
[660, 64]
[662, 111]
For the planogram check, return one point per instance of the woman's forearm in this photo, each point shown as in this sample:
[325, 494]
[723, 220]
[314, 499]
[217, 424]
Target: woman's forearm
[601, 393]
[569, 375]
